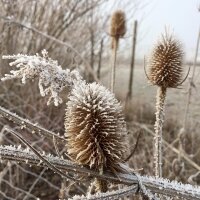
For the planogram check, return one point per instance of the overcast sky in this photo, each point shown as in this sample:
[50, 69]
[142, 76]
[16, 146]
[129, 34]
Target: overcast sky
[181, 16]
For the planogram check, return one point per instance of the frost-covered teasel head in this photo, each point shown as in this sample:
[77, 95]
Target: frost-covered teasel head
[95, 127]
[165, 63]
[52, 78]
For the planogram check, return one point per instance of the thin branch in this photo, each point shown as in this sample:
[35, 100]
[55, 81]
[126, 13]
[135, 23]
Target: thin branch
[25, 123]
[45, 161]
[36, 175]
[56, 147]
[19, 189]
[145, 69]
[33, 185]
[191, 83]
[109, 195]
[160, 186]
[185, 77]
[6, 197]
[135, 147]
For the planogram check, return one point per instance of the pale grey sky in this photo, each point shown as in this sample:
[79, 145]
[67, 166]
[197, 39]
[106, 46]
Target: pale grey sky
[181, 16]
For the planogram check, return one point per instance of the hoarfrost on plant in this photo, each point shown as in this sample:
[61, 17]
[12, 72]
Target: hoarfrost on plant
[52, 78]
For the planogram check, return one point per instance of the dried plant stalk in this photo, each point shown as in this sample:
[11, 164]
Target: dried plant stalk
[160, 103]
[117, 30]
[165, 71]
[113, 66]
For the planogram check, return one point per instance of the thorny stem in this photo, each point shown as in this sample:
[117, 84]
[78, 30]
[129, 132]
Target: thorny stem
[160, 103]
[113, 64]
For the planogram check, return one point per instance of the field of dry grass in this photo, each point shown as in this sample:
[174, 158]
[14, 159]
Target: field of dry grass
[144, 92]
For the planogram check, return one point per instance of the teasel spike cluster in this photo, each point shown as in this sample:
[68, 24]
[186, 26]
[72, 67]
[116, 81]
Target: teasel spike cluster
[95, 129]
[117, 31]
[165, 71]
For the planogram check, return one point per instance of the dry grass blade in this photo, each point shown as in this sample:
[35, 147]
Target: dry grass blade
[25, 123]
[160, 186]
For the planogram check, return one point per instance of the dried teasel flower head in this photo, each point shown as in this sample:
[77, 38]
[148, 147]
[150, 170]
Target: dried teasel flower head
[165, 63]
[95, 127]
[118, 26]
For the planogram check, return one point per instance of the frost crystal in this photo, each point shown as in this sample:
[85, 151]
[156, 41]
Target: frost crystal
[52, 78]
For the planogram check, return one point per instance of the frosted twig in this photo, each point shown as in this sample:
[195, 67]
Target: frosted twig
[46, 162]
[52, 78]
[34, 128]
[4, 195]
[109, 195]
[33, 185]
[19, 189]
[36, 175]
[159, 185]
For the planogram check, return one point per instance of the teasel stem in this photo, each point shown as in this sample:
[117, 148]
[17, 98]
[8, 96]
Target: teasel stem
[117, 31]
[101, 185]
[113, 62]
[160, 106]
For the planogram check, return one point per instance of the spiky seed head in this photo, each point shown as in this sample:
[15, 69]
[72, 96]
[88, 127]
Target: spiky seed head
[118, 24]
[95, 127]
[165, 63]
[117, 27]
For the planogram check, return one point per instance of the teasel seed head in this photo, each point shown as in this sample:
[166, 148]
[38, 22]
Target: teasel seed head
[95, 127]
[118, 26]
[165, 63]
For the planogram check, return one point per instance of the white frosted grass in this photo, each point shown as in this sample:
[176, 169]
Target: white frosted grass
[52, 78]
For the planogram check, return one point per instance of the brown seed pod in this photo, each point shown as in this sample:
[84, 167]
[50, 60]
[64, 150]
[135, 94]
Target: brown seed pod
[165, 63]
[118, 26]
[95, 127]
